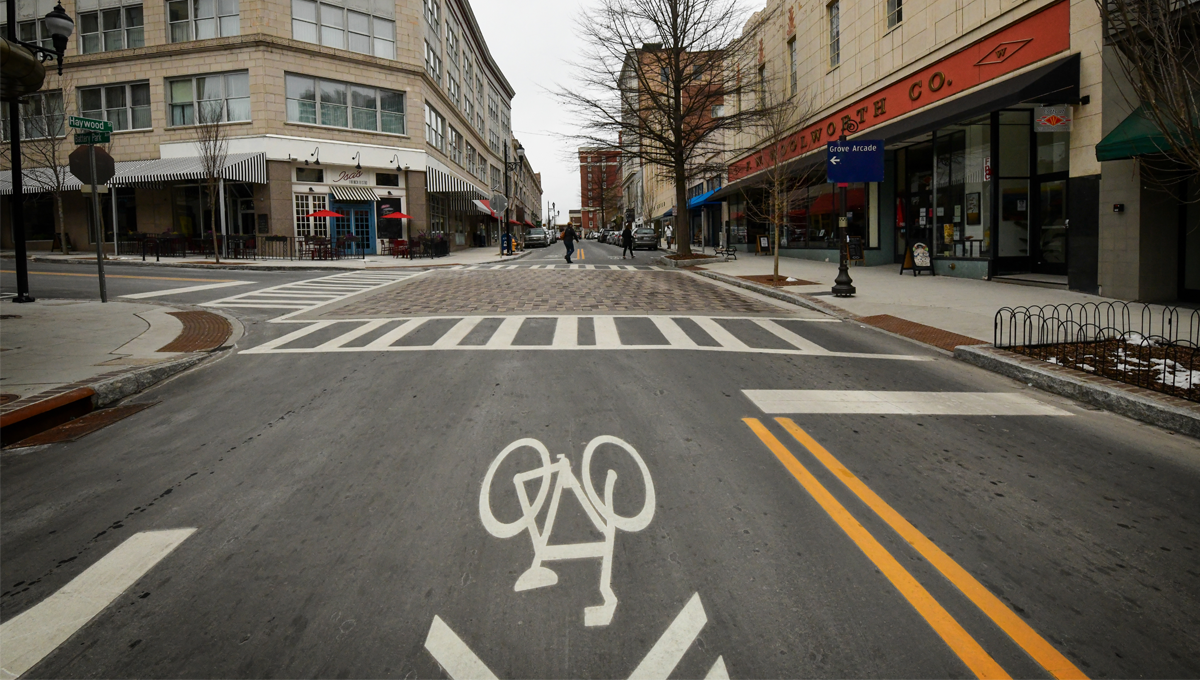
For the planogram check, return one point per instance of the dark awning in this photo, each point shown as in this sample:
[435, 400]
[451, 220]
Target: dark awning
[1137, 135]
[702, 200]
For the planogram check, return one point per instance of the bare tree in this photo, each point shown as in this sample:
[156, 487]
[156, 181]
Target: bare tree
[652, 74]
[44, 146]
[1158, 42]
[769, 197]
[213, 144]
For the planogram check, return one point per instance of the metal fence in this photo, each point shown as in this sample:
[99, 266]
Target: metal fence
[1150, 346]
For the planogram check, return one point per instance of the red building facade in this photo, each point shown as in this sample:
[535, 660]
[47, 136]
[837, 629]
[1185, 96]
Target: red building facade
[599, 187]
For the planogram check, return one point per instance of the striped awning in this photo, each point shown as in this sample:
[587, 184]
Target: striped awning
[439, 182]
[484, 207]
[38, 180]
[239, 167]
[352, 193]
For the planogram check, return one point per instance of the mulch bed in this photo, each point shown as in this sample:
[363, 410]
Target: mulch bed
[920, 332]
[772, 280]
[1162, 368]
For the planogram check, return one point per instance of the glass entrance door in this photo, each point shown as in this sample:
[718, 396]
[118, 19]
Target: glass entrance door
[1050, 235]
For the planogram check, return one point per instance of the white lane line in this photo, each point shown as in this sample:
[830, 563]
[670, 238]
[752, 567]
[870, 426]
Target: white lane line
[606, 331]
[718, 672]
[718, 333]
[457, 332]
[189, 289]
[28, 637]
[901, 403]
[384, 341]
[788, 336]
[506, 332]
[672, 332]
[455, 657]
[666, 653]
[566, 332]
[283, 340]
[356, 333]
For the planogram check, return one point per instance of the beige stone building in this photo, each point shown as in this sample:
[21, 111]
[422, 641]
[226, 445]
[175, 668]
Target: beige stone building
[993, 116]
[361, 107]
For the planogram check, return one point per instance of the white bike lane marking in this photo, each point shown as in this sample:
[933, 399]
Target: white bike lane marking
[457, 659]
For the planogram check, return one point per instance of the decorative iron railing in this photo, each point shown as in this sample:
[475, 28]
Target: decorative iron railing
[1149, 346]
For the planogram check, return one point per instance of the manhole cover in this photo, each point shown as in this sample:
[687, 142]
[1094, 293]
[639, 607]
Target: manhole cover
[6, 398]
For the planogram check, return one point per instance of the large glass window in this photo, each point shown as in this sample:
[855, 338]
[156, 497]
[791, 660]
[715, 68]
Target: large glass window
[835, 33]
[433, 12]
[332, 103]
[435, 128]
[126, 106]
[895, 12]
[221, 97]
[792, 65]
[344, 29]
[42, 116]
[111, 29]
[456, 146]
[433, 63]
[1053, 152]
[305, 205]
[201, 19]
[1012, 238]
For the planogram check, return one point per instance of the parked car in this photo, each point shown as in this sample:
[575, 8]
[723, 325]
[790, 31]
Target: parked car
[645, 238]
[537, 237]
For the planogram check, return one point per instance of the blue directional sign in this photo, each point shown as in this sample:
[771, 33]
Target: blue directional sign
[858, 161]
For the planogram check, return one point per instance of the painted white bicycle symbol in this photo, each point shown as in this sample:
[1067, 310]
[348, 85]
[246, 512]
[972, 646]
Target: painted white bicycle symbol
[599, 510]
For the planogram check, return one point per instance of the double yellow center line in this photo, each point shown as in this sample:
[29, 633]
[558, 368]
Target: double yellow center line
[956, 637]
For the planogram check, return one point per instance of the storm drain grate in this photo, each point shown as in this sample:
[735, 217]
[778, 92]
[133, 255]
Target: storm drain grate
[201, 331]
[920, 332]
[83, 425]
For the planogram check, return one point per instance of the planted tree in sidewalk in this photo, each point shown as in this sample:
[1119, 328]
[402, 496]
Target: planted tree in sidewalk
[1158, 48]
[654, 81]
[212, 142]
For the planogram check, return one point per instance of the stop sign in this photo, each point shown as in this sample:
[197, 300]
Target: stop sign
[82, 169]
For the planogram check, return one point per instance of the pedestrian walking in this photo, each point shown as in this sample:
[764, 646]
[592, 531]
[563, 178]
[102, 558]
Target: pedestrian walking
[626, 242]
[568, 238]
[670, 233]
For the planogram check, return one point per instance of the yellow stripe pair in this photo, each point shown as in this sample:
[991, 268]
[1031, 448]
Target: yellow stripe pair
[966, 647]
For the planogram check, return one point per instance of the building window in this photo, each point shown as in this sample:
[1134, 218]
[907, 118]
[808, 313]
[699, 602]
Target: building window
[452, 88]
[127, 107]
[316, 175]
[835, 33]
[718, 111]
[435, 128]
[35, 32]
[42, 116]
[387, 179]
[497, 183]
[792, 65]
[307, 227]
[331, 103]
[470, 159]
[111, 29]
[494, 143]
[493, 110]
[456, 146]
[762, 86]
[452, 46]
[344, 29]
[433, 12]
[433, 63]
[895, 13]
[224, 97]
[201, 19]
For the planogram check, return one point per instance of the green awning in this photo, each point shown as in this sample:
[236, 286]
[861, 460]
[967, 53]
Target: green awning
[1137, 135]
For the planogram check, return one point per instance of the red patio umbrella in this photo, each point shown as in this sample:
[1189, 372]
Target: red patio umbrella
[325, 213]
[396, 216]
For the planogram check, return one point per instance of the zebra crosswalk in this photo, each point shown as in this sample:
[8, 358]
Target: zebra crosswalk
[302, 296]
[602, 267]
[482, 333]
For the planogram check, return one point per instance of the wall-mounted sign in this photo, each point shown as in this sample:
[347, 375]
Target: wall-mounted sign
[348, 177]
[1052, 118]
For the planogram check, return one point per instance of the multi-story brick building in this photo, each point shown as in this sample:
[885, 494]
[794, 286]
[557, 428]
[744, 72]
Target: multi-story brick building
[363, 107]
[600, 187]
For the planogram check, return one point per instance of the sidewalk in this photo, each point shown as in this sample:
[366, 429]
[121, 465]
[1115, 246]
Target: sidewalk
[64, 358]
[469, 256]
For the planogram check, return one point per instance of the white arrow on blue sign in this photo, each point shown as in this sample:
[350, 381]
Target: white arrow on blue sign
[860, 160]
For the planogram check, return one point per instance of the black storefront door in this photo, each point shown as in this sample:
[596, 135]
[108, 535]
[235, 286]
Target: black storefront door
[1049, 236]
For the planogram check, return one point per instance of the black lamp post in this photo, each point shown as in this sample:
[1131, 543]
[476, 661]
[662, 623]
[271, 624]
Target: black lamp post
[60, 26]
[843, 285]
[509, 167]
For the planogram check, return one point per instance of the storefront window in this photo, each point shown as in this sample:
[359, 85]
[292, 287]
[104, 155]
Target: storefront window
[1053, 152]
[1013, 228]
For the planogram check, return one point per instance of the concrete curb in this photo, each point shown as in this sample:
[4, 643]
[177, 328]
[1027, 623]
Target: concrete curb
[1127, 403]
[666, 261]
[40, 416]
[115, 389]
[773, 292]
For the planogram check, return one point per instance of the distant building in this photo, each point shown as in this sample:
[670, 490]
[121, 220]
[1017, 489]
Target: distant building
[600, 186]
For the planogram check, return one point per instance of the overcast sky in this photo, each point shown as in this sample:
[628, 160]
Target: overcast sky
[532, 41]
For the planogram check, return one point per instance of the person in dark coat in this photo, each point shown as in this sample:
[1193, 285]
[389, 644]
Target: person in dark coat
[626, 242]
[569, 241]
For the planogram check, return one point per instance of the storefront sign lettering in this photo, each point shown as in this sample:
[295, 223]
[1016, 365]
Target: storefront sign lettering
[1034, 38]
[350, 177]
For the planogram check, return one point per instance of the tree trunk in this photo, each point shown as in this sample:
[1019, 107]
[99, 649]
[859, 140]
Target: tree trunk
[683, 226]
[779, 217]
[62, 223]
[212, 208]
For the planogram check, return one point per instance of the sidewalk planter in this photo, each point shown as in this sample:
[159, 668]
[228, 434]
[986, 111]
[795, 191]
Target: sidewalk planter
[668, 261]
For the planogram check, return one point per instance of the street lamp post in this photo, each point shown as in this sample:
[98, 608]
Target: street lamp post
[60, 26]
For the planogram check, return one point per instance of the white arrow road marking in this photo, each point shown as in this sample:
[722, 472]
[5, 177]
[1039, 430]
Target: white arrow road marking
[666, 653]
[189, 289]
[718, 672]
[28, 637]
[455, 657]
[777, 402]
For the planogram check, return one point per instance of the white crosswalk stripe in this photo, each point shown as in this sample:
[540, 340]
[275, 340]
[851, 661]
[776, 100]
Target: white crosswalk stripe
[565, 332]
[301, 296]
[575, 266]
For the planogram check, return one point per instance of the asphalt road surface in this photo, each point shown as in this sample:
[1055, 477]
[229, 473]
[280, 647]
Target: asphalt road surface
[590, 472]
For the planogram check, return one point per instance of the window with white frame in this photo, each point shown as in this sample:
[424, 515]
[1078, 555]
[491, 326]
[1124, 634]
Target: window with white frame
[895, 13]
[835, 33]
[308, 227]
[42, 116]
[493, 109]
[494, 143]
[433, 63]
[118, 28]
[433, 12]
[456, 146]
[222, 97]
[505, 119]
[497, 182]
[126, 106]
[792, 65]
[344, 29]
[470, 158]
[316, 101]
[452, 89]
[35, 32]
[201, 19]
[435, 128]
[451, 45]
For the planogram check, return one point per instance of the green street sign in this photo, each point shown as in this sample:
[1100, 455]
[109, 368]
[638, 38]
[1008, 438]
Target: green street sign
[91, 138]
[90, 124]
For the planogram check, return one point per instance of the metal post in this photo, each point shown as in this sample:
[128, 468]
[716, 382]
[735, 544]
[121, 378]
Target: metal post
[224, 231]
[842, 284]
[99, 224]
[112, 199]
[17, 214]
